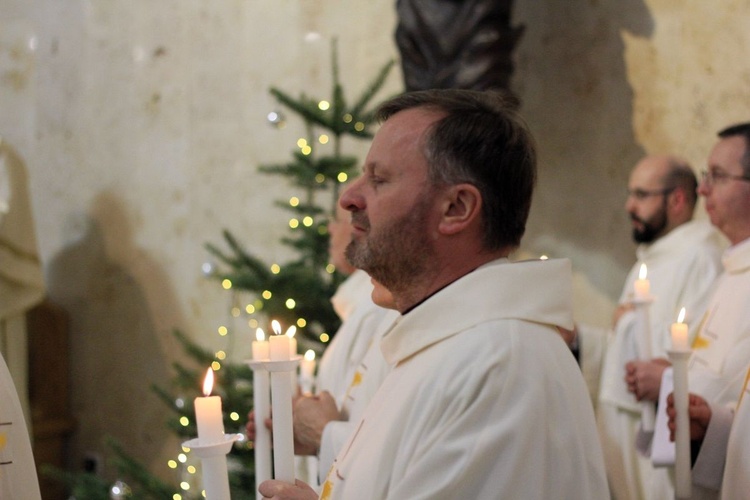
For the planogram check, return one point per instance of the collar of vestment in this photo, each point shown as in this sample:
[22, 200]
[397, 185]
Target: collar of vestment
[538, 291]
[684, 235]
[736, 259]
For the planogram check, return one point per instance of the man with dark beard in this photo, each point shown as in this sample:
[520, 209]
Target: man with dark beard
[682, 258]
[483, 400]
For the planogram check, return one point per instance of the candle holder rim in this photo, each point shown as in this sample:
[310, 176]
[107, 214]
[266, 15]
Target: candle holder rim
[286, 365]
[212, 449]
[641, 301]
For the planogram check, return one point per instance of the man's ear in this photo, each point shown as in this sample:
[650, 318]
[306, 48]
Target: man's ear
[462, 206]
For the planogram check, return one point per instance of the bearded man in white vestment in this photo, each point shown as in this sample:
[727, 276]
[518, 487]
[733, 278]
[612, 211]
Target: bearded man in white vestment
[683, 258]
[720, 366]
[484, 399]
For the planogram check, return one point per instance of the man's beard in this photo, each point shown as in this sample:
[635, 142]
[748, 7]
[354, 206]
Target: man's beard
[397, 253]
[652, 228]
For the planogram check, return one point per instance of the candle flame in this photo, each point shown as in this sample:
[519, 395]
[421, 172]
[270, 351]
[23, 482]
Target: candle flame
[310, 355]
[681, 316]
[260, 335]
[643, 272]
[291, 331]
[208, 382]
[276, 327]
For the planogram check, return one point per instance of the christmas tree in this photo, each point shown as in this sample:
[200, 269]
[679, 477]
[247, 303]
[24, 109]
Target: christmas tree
[296, 294]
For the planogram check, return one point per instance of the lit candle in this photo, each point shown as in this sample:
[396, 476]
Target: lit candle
[280, 345]
[679, 356]
[292, 340]
[307, 372]
[262, 409]
[679, 333]
[208, 413]
[642, 285]
[281, 401]
[260, 345]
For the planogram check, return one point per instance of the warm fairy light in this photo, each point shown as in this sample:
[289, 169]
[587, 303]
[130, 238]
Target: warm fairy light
[234, 416]
[342, 177]
[260, 335]
[266, 294]
[182, 458]
[307, 221]
[294, 201]
[301, 142]
[186, 449]
[301, 322]
[184, 421]
[293, 223]
[324, 337]
[310, 355]
[227, 284]
[191, 469]
[290, 303]
[330, 268]
[359, 126]
[221, 355]
[185, 485]
[275, 268]
[323, 139]
[216, 366]
[172, 464]
[642, 272]
[348, 118]
[681, 316]
[543, 257]
[252, 323]
[250, 309]
[290, 331]
[223, 331]
[176, 496]
[324, 105]
[276, 327]
[320, 178]
[235, 312]
[208, 382]
[306, 150]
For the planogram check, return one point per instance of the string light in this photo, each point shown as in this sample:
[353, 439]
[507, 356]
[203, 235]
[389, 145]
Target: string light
[266, 294]
[301, 322]
[301, 142]
[253, 323]
[323, 139]
[275, 268]
[227, 284]
[223, 331]
[330, 268]
[235, 312]
[185, 485]
[250, 309]
[290, 303]
[324, 105]
[294, 201]
[221, 355]
[216, 366]
[359, 126]
[342, 177]
[184, 421]
[320, 178]
[172, 464]
[306, 150]
[293, 223]
[324, 337]
[348, 118]
[234, 416]
[307, 221]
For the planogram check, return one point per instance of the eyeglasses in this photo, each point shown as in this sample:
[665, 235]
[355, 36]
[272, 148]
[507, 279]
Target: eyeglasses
[711, 177]
[642, 194]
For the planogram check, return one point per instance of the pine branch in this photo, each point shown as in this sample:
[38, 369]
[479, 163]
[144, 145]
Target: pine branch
[370, 91]
[150, 486]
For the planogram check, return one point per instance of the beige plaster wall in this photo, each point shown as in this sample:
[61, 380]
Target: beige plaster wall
[142, 124]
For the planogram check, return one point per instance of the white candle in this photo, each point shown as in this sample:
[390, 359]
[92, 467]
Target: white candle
[307, 372]
[281, 401]
[642, 286]
[292, 340]
[262, 409]
[683, 480]
[260, 345]
[679, 333]
[208, 415]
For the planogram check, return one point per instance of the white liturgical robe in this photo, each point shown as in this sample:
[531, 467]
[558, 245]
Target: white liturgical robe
[484, 399]
[682, 268]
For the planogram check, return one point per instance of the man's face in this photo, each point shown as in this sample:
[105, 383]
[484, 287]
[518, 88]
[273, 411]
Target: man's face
[393, 210]
[647, 203]
[727, 199]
